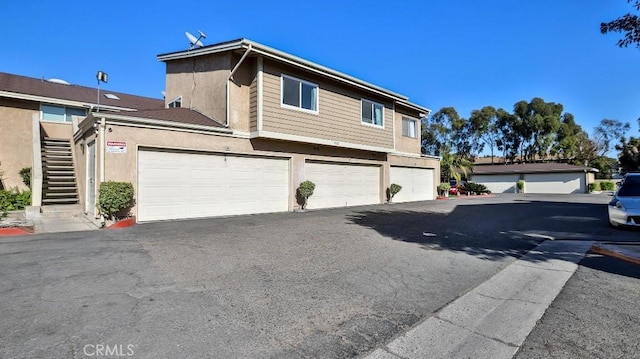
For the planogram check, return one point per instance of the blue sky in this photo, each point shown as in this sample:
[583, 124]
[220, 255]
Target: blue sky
[465, 54]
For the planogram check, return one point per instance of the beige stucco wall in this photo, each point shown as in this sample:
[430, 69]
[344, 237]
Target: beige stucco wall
[123, 166]
[201, 81]
[16, 139]
[339, 111]
[59, 130]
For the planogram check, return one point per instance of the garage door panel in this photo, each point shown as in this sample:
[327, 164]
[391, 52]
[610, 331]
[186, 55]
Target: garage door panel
[560, 183]
[174, 185]
[417, 183]
[498, 183]
[340, 185]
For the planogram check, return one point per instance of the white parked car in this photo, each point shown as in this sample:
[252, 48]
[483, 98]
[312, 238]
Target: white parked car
[624, 208]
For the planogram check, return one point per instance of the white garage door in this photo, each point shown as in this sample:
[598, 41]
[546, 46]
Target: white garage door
[417, 183]
[555, 183]
[497, 183]
[340, 185]
[173, 185]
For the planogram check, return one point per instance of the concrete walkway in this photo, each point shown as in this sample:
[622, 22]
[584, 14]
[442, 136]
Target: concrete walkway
[493, 319]
[43, 223]
[55, 225]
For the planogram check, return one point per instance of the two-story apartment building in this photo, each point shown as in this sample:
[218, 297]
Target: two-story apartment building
[245, 124]
[242, 126]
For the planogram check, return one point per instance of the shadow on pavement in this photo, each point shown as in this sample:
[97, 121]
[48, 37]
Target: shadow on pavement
[490, 231]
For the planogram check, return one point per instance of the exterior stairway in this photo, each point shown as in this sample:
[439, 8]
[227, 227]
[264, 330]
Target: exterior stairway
[59, 177]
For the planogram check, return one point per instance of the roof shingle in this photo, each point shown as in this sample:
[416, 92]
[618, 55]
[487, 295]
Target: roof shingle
[39, 87]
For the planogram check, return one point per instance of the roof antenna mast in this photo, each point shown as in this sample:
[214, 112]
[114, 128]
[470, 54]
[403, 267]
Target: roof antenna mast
[102, 77]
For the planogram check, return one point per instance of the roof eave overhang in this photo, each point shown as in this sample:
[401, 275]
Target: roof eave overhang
[282, 56]
[535, 171]
[57, 101]
[115, 118]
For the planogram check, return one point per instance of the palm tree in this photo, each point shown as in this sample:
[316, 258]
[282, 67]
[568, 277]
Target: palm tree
[454, 165]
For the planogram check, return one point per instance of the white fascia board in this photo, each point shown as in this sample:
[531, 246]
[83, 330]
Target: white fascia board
[111, 118]
[202, 51]
[57, 101]
[413, 106]
[318, 141]
[282, 56]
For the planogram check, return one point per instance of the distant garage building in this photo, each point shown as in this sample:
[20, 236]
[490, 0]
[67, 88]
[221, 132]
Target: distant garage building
[544, 178]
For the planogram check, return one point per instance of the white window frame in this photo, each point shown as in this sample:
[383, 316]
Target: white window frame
[373, 103]
[296, 108]
[179, 98]
[409, 119]
[66, 115]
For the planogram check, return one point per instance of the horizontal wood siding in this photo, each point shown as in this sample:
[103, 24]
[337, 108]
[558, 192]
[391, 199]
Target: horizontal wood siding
[338, 117]
[253, 104]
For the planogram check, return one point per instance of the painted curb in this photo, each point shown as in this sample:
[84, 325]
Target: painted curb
[123, 223]
[13, 231]
[618, 252]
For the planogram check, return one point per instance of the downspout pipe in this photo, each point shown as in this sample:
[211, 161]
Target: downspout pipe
[233, 71]
[102, 134]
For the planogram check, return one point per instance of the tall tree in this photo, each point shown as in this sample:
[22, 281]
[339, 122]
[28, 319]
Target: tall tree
[510, 140]
[567, 144]
[608, 132]
[628, 24]
[537, 127]
[484, 126]
[629, 157]
[446, 134]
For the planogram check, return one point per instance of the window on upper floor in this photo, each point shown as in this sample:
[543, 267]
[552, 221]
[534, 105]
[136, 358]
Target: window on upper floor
[176, 103]
[299, 94]
[409, 127]
[60, 113]
[372, 113]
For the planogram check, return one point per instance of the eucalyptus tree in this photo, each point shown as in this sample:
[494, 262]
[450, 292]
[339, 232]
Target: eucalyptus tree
[568, 139]
[538, 126]
[610, 131]
[628, 24]
[484, 127]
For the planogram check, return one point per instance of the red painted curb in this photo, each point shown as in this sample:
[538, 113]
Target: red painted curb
[13, 231]
[123, 223]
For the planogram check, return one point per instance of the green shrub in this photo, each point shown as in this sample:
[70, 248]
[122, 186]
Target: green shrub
[592, 187]
[114, 198]
[607, 186]
[444, 188]
[393, 190]
[14, 200]
[476, 188]
[305, 190]
[25, 173]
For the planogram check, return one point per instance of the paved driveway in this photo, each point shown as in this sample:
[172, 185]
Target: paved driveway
[333, 283]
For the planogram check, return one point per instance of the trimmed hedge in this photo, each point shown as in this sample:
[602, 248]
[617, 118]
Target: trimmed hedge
[592, 187]
[114, 198]
[607, 186]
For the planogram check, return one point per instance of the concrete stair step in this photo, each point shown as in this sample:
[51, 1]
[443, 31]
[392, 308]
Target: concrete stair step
[61, 210]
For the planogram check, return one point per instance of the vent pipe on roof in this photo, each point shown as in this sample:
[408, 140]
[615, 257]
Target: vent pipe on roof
[226, 122]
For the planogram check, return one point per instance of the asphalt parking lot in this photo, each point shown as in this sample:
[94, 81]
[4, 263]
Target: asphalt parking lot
[323, 284]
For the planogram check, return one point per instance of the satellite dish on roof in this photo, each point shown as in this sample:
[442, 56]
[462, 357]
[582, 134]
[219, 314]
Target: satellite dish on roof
[59, 81]
[195, 41]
